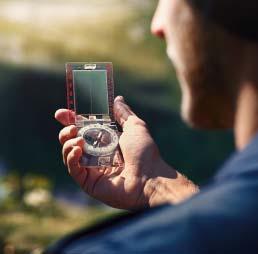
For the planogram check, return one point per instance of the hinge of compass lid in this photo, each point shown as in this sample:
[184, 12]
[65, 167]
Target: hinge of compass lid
[92, 117]
[101, 119]
[90, 67]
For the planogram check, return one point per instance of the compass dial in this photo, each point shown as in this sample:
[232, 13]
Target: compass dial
[100, 140]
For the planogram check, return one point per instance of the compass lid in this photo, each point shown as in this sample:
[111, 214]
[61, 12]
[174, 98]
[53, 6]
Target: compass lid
[90, 91]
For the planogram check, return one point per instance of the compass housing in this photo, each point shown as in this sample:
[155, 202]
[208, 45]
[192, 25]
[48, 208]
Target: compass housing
[90, 96]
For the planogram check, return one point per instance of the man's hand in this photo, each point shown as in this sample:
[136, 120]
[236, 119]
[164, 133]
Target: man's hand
[144, 179]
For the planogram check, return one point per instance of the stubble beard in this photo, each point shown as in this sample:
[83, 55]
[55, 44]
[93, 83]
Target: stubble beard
[205, 68]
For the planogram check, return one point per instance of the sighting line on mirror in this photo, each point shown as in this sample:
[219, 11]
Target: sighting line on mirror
[91, 95]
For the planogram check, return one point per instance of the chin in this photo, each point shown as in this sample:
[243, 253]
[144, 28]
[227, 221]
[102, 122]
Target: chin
[189, 115]
[201, 116]
[189, 109]
[197, 121]
[202, 107]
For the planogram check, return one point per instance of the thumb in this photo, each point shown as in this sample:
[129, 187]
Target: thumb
[122, 111]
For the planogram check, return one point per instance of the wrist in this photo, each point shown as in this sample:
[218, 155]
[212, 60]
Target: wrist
[169, 187]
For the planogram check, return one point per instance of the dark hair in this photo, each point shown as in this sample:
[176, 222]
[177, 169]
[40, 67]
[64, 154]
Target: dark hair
[236, 16]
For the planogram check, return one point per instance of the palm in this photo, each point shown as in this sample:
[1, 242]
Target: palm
[122, 187]
[111, 187]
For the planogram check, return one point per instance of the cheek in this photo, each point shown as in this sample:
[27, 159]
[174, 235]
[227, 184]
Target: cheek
[176, 56]
[179, 36]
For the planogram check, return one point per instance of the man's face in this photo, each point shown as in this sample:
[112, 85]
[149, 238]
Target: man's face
[205, 58]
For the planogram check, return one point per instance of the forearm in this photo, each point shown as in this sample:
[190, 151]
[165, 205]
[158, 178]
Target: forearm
[170, 187]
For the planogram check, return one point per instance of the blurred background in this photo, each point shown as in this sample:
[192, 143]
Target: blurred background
[39, 202]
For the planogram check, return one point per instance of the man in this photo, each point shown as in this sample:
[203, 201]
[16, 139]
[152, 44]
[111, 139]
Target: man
[212, 45]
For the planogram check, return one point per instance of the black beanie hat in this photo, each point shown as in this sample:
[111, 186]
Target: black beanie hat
[237, 16]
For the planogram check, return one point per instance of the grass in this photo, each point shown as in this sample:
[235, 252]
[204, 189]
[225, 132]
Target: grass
[25, 232]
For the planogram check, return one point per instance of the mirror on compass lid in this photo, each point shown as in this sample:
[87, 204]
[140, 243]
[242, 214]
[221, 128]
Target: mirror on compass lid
[91, 93]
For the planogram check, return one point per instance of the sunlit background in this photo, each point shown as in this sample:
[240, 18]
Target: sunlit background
[39, 202]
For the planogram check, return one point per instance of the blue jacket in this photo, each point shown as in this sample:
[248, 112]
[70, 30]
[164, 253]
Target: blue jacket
[222, 218]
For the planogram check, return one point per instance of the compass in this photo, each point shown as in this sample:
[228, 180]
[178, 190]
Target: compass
[90, 95]
[100, 140]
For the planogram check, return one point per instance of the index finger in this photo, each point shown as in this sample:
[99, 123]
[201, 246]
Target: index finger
[65, 116]
[122, 111]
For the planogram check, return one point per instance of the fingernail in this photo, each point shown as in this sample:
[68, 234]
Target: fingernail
[120, 98]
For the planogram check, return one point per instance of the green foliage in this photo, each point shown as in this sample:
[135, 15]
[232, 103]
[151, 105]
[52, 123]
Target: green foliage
[26, 232]
[31, 218]
[30, 193]
[31, 182]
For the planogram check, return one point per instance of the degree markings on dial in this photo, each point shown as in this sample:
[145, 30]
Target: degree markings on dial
[95, 149]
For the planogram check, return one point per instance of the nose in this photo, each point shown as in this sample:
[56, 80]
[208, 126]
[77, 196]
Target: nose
[157, 24]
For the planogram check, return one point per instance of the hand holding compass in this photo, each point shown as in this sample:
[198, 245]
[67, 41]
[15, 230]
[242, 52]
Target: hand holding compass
[91, 145]
[143, 180]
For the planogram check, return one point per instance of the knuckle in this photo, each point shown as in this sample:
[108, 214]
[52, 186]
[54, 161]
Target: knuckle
[69, 160]
[134, 120]
[62, 138]
[66, 145]
[72, 142]
[64, 151]
[72, 130]
[67, 133]
[72, 161]
[142, 123]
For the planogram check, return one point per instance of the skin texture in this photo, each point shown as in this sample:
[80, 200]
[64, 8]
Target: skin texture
[136, 184]
[216, 69]
[203, 66]
[218, 78]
